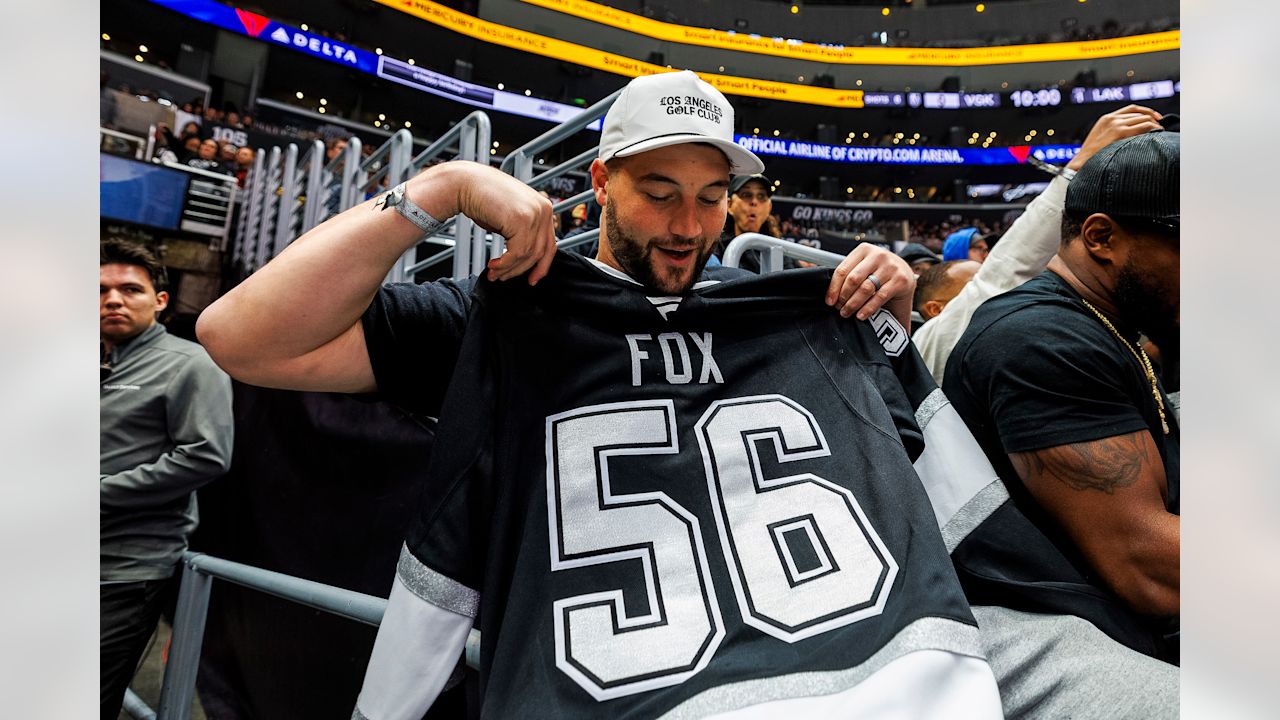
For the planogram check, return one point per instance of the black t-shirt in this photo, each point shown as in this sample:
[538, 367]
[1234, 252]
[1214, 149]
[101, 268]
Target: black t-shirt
[1036, 369]
[656, 504]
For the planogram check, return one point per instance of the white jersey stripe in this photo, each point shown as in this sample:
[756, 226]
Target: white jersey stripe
[959, 688]
[950, 638]
[952, 467]
[968, 518]
[409, 667]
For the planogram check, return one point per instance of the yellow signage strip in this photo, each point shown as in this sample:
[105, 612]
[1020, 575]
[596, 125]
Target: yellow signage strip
[838, 54]
[474, 27]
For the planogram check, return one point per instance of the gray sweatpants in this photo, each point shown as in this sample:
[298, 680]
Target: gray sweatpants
[1060, 666]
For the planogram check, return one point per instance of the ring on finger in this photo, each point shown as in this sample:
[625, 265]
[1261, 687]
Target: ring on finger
[875, 281]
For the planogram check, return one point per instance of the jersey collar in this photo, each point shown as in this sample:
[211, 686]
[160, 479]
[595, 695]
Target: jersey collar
[615, 272]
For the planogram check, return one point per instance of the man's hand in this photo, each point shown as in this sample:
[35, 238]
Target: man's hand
[499, 203]
[1126, 122]
[850, 292]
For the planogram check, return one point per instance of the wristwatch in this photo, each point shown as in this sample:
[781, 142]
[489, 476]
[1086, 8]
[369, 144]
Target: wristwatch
[396, 198]
[1065, 173]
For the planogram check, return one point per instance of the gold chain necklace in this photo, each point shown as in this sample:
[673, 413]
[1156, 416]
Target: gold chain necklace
[1143, 361]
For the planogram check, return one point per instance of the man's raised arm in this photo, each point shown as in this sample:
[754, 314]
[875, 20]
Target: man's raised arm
[295, 323]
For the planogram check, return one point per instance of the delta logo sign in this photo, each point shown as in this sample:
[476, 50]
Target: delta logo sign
[254, 25]
[315, 45]
[264, 28]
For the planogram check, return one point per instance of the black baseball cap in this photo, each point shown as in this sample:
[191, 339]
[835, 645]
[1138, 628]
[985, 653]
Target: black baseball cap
[915, 252]
[739, 180]
[1136, 178]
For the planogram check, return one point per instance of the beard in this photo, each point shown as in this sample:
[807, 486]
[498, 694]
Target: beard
[1144, 305]
[635, 257]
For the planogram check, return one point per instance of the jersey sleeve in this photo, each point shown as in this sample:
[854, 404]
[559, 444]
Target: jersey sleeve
[413, 334]
[1063, 386]
[435, 596]
[418, 646]
[908, 383]
[963, 488]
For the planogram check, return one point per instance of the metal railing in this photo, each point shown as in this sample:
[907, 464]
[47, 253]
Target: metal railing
[314, 182]
[250, 211]
[113, 141]
[773, 249]
[210, 203]
[287, 211]
[348, 165]
[585, 238]
[209, 199]
[198, 572]
[470, 137]
[270, 208]
[519, 162]
[289, 191]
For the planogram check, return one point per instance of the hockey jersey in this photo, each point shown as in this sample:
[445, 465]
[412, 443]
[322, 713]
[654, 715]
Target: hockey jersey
[690, 506]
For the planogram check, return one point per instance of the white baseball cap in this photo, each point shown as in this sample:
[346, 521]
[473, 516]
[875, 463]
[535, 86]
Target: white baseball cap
[656, 111]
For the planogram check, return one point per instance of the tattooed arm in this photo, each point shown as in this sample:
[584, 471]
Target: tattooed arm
[1109, 497]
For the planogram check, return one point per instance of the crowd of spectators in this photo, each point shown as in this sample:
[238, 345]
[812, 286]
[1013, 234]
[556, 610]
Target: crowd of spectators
[194, 148]
[934, 234]
[194, 145]
[1108, 30]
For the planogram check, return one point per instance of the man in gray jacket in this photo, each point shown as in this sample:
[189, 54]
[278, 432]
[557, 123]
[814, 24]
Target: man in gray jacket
[166, 430]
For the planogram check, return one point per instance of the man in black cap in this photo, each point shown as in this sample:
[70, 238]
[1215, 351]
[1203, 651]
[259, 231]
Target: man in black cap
[751, 211]
[919, 257]
[1051, 379]
[751, 206]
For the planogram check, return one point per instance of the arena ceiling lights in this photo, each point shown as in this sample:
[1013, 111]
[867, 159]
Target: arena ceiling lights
[839, 54]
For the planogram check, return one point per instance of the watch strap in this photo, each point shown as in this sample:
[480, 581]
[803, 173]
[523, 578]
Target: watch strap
[410, 210]
[1063, 172]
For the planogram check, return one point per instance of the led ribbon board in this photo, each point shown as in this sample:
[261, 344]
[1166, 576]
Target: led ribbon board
[265, 29]
[839, 54]
[1137, 92]
[1044, 97]
[1015, 155]
[485, 31]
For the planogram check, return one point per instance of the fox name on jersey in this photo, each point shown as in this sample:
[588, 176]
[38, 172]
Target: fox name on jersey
[680, 507]
[677, 365]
